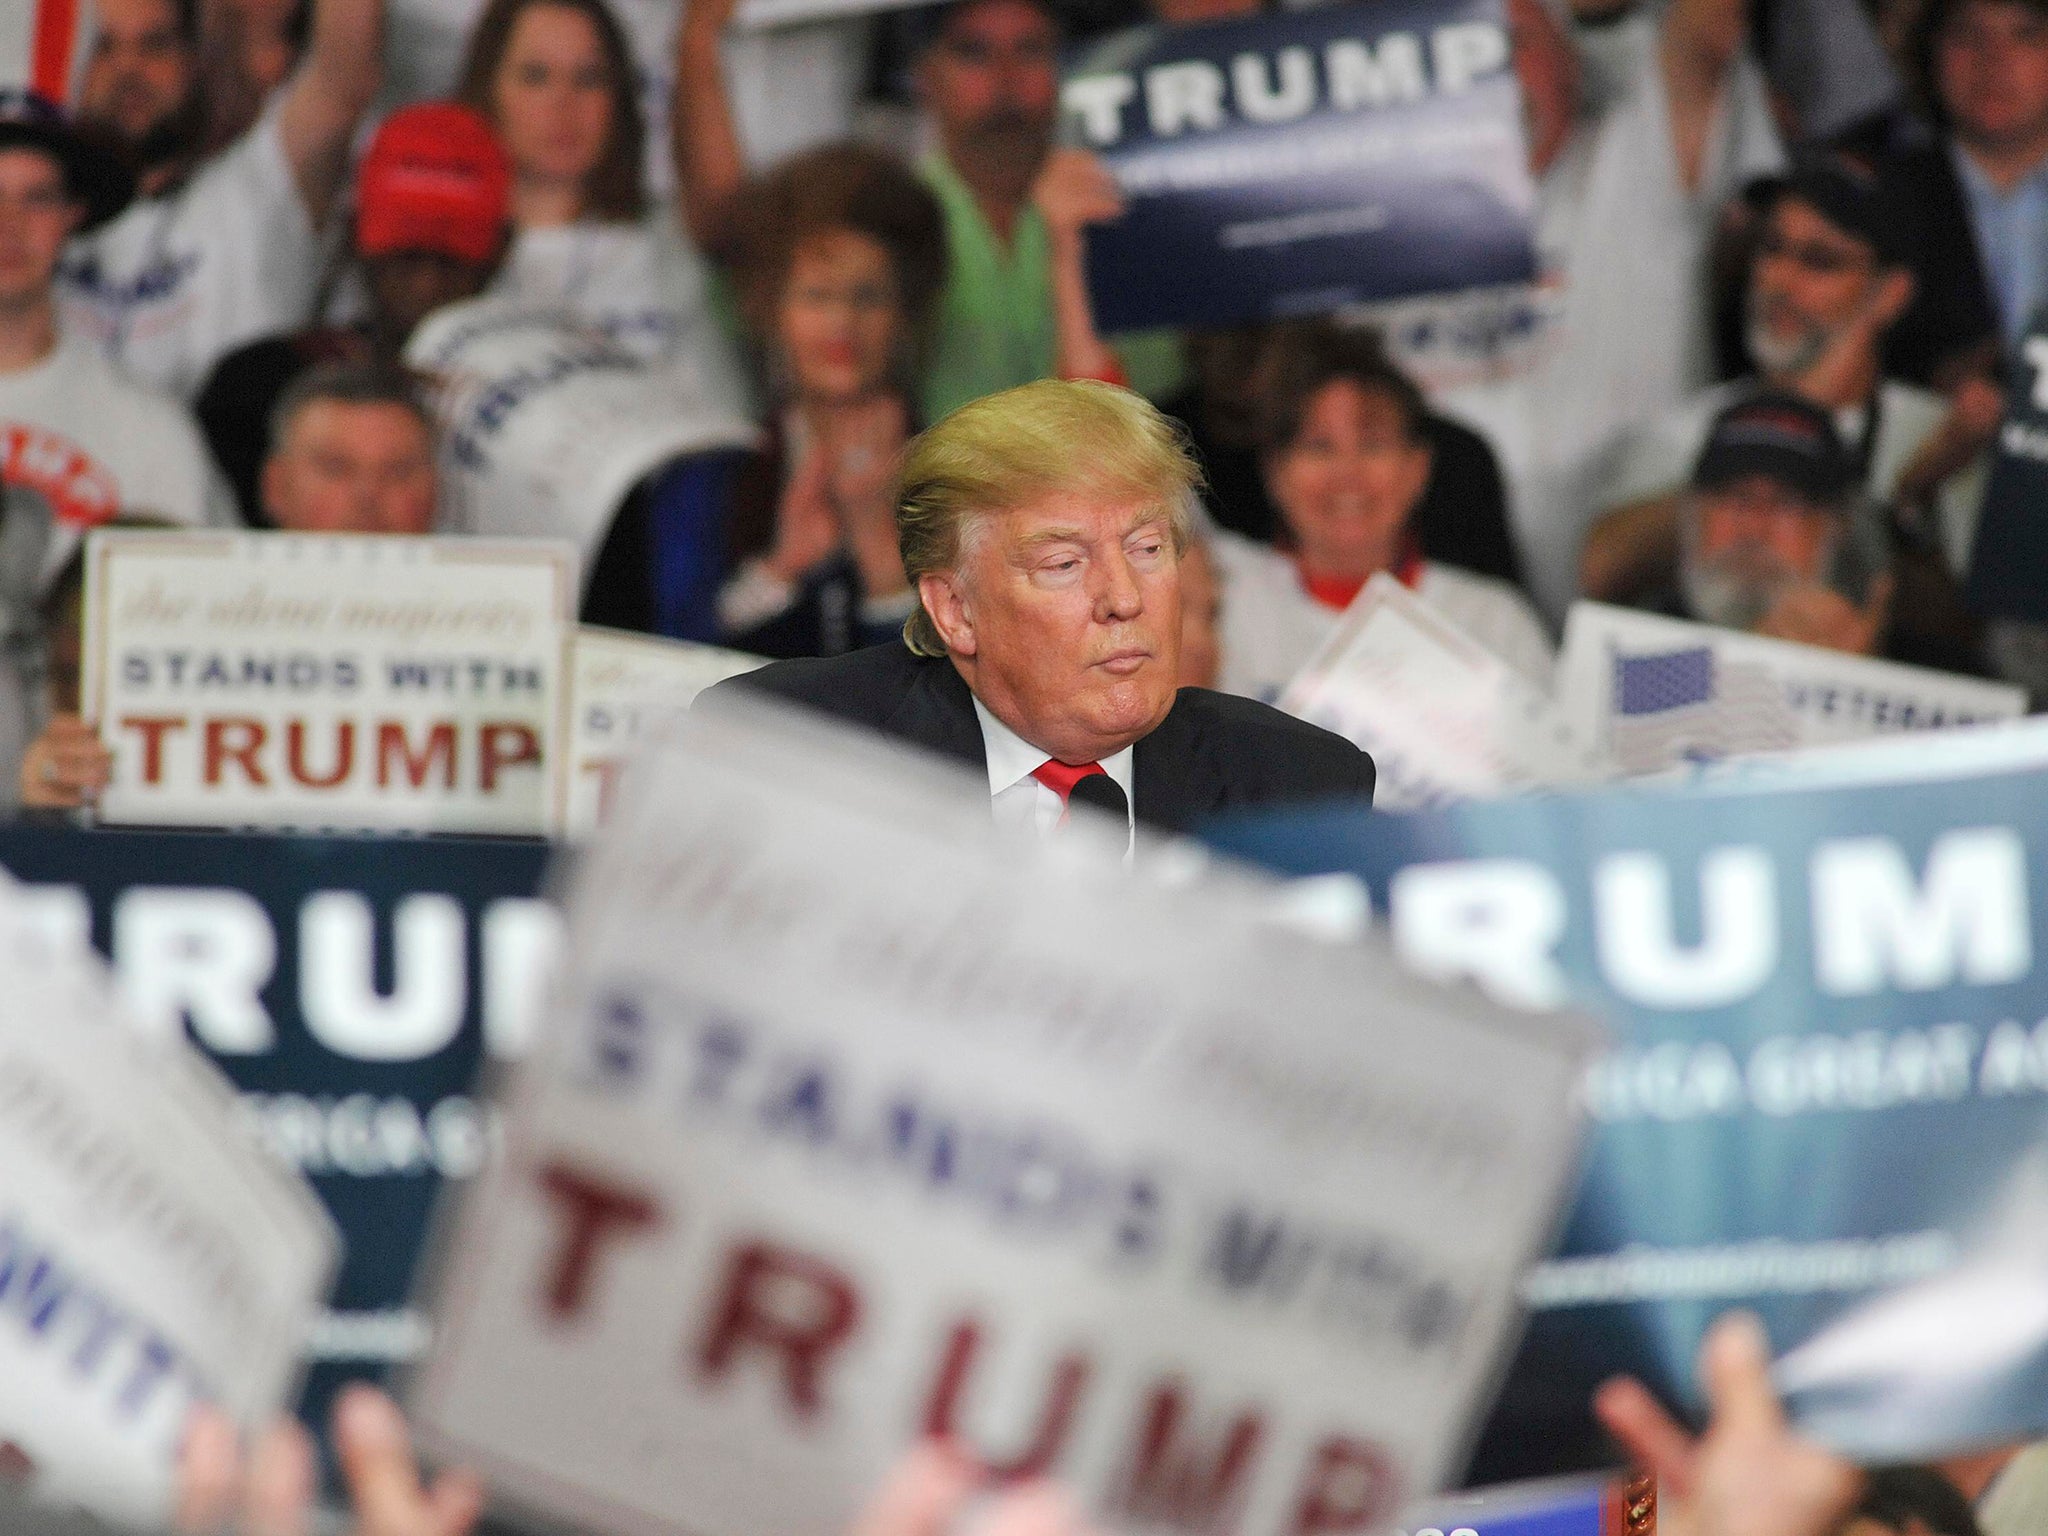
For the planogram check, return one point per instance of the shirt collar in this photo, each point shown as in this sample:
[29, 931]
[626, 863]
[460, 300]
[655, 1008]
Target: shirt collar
[1012, 759]
[1979, 186]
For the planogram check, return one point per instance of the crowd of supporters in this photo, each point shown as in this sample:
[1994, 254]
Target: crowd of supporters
[1821, 222]
[1835, 203]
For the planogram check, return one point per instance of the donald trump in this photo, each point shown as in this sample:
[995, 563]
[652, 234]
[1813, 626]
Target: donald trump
[1043, 529]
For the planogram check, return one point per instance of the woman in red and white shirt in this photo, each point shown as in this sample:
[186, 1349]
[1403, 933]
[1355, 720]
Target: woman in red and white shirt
[1345, 462]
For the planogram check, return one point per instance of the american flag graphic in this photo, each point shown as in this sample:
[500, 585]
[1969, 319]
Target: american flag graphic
[1691, 705]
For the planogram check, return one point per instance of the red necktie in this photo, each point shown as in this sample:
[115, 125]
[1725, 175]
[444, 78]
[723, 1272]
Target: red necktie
[1061, 778]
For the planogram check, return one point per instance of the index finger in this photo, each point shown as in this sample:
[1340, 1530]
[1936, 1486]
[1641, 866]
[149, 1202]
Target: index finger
[1735, 1368]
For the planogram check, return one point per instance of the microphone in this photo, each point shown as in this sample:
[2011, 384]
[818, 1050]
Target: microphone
[1104, 794]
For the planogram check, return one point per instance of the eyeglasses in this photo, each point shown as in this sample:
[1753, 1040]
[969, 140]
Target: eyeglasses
[1825, 260]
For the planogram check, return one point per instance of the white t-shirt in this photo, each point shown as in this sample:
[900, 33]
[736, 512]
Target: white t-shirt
[639, 284]
[1271, 626]
[179, 281]
[1615, 328]
[85, 443]
[1657, 457]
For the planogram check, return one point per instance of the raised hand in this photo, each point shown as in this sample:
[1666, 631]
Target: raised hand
[935, 1491]
[1749, 1475]
[65, 766]
[1816, 615]
[269, 1490]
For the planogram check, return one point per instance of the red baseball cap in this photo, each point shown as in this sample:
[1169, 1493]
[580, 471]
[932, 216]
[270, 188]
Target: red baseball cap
[433, 179]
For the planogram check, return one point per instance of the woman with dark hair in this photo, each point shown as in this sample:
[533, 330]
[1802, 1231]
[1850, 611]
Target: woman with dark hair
[1342, 450]
[838, 256]
[555, 79]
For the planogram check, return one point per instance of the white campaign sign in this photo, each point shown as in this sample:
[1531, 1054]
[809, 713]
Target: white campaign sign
[328, 680]
[623, 688]
[546, 425]
[1443, 717]
[150, 1255]
[1653, 692]
[858, 1124]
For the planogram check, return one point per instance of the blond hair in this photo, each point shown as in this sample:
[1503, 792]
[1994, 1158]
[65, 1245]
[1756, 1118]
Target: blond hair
[1055, 437]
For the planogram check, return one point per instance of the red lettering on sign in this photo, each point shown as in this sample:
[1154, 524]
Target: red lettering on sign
[344, 755]
[440, 748]
[1351, 1486]
[785, 1303]
[504, 744]
[593, 1212]
[1172, 1483]
[247, 740]
[1069, 1376]
[153, 728]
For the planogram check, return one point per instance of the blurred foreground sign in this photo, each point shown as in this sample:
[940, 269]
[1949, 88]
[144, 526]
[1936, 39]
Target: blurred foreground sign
[328, 680]
[150, 1256]
[1294, 164]
[856, 1126]
[352, 988]
[1654, 692]
[622, 688]
[1442, 716]
[1829, 1096]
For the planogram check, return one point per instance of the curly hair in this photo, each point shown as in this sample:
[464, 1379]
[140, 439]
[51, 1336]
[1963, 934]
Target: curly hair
[821, 191]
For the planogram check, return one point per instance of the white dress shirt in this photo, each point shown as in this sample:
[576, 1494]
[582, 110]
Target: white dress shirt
[1018, 800]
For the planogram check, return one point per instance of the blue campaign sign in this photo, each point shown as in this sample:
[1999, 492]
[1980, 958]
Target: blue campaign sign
[1293, 164]
[2011, 550]
[1828, 1095]
[353, 988]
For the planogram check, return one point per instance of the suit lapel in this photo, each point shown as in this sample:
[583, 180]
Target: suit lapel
[1174, 780]
[937, 712]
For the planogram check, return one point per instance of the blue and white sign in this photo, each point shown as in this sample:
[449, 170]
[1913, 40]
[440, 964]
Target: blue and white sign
[1829, 1100]
[1295, 164]
[352, 989]
[2012, 539]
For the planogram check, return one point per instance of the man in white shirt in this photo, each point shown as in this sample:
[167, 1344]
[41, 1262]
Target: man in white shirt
[80, 442]
[220, 251]
[1829, 280]
[1641, 122]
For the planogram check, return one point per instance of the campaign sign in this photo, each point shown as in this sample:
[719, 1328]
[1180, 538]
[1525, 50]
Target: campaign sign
[547, 425]
[1293, 164]
[2012, 536]
[1442, 716]
[328, 680]
[1653, 692]
[623, 687]
[860, 1123]
[1829, 1101]
[351, 988]
[150, 1257]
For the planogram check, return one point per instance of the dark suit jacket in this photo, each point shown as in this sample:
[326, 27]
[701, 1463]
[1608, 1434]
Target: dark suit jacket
[1952, 311]
[1213, 753]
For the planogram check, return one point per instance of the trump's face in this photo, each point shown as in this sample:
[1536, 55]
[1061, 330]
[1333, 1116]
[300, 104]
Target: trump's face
[1064, 617]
